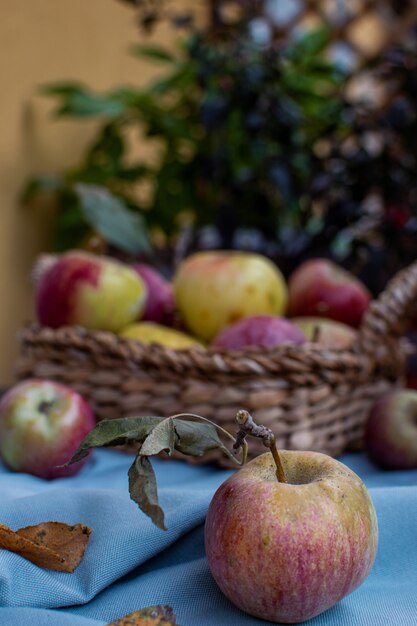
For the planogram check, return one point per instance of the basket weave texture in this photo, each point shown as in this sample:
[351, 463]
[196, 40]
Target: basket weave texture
[312, 398]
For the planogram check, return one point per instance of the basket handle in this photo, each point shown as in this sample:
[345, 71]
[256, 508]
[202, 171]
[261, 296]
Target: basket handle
[387, 316]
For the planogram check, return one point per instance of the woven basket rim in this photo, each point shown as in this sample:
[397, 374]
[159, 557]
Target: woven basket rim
[301, 358]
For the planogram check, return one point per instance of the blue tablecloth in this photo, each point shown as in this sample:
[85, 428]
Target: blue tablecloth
[130, 564]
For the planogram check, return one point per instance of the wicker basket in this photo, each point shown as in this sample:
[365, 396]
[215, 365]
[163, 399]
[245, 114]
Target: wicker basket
[312, 398]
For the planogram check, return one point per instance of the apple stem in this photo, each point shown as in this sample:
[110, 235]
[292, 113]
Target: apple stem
[247, 426]
[45, 406]
[280, 469]
[316, 334]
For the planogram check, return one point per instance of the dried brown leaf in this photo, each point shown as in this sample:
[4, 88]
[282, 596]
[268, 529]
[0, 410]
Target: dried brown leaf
[51, 545]
[159, 615]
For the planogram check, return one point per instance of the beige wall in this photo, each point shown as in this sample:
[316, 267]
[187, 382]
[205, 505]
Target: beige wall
[41, 41]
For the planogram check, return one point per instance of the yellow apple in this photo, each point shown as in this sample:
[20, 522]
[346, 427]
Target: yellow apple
[216, 288]
[151, 332]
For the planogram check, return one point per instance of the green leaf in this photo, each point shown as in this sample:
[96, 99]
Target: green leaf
[310, 44]
[197, 438]
[155, 53]
[111, 218]
[71, 228]
[63, 88]
[77, 100]
[143, 490]
[129, 96]
[110, 146]
[342, 244]
[161, 438]
[115, 432]
[41, 184]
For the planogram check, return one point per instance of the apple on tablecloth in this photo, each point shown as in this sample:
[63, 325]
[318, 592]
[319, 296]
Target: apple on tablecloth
[286, 537]
[41, 425]
[286, 552]
[391, 430]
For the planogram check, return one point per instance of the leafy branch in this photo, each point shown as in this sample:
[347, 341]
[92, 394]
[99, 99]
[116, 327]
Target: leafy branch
[235, 125]
[190, 434]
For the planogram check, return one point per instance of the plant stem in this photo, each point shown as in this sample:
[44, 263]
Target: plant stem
[280, 469]
[244, 445]
[247, 426]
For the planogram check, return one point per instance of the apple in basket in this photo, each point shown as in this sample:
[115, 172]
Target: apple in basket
[150, 332]
[267, 331]
[391, 430]
[160, 303]
[286, 537]
[41, 424]
[319, 287]
[92, 291]
[326, 333]
[216, 288]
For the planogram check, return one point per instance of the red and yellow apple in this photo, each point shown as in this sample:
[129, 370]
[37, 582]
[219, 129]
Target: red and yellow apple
[286, 552]
[216, 288]
[391, 430]
[319, 287]
[160, 304]
[150, 332]
[92, 291]
[327, 333]
[41, 425]
[267, 331]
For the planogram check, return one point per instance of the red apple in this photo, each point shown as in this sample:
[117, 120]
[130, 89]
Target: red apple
[319, 287]
[411, 381]
[391, 430]
[327, 333]
[216, 288]
[41, 425]
[92, 291]
[258, 330]
[160, 304]
[286, 552]
[411, 364]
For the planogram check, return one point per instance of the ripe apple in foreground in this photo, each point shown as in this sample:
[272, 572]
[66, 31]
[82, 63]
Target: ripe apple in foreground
[286, 537]
[160, 304]
[286, 552]
[41, 425]
[150, 332]
[319, 287]
[391, 430]
[267, 331]
[92, 291]
[216, 288]
[325, 332]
